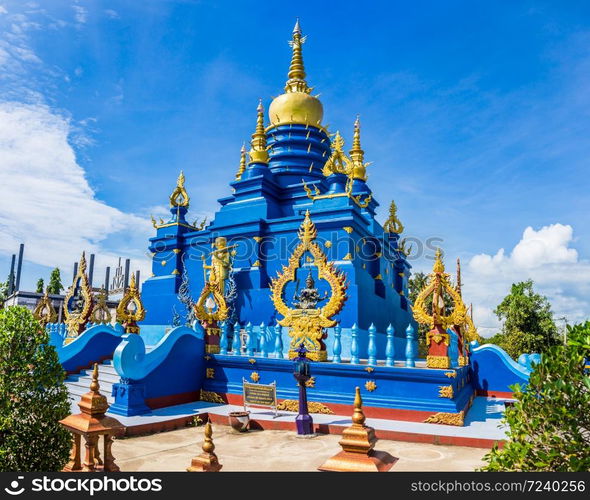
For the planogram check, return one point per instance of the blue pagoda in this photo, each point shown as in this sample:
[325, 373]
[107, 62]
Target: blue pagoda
[294, 165]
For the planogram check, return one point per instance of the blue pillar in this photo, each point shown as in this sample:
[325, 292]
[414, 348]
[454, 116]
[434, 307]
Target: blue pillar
[236, 345]
[390, 347]
[263, 345]
[372, 348]
[278, 341]
[337, 344]
[410, 363]
[249, 340]
[354, 348]
[223, 339]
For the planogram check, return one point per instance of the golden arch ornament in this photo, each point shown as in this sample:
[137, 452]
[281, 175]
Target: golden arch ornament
[438, 338]
[101, 314]
[77, 318]
[208, 314]
[308, 325]
[129, 317]
[44, 311]
[179, 197]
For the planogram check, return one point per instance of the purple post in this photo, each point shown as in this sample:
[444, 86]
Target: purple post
[303, 421]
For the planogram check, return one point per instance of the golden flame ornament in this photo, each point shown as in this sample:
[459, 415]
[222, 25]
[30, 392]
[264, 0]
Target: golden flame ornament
[78, 302]
[44, 311]
[130, 310]
[308, 325]
[179, 197]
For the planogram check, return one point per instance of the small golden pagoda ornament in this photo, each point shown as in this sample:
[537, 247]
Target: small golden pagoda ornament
[91, 424]
[44, 311]
[78, 303]
[358, 443]
[206, 461]
[130, 310]
[306, 321]
[438, 338]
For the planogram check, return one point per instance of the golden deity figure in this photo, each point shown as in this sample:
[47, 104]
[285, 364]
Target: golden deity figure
[438, 338]
[306, 321]
[130, 310]
[78, 303]
[220, 264]
[44, 311]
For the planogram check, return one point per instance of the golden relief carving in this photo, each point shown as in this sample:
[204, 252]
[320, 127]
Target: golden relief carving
[447, 418]
[438, 361]
[211, 397]
[179, 197]
[312, 407]
[78, 302]
[446, 391]
[370, 385]
[130, 310]
[307, 325]
[310, 382]
[451, 374]
[255, 376]
[44, 311]
[393, 224]
[210, 373]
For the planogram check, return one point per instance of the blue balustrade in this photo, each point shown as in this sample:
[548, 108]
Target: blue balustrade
[354, 348]
[250, 340]
[390, 347]
[263, 342]
[223, 340]
[278, 341]
[372, 347]
[236, 345]
[337, 344]
[410, 361]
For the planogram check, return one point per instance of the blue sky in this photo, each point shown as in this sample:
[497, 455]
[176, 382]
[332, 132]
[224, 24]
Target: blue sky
[474, 114]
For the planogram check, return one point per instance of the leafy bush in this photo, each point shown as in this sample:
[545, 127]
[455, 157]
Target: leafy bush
[550, 421]
[33, 397]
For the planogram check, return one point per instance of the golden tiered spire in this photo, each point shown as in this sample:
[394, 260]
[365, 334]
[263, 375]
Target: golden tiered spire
[258, 152]
[242, 166]
[296, 81]
[357, 155]
[296, 105]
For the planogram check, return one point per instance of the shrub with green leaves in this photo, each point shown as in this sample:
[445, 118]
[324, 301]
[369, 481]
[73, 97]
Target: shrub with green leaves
[33, 397]
[550, 421]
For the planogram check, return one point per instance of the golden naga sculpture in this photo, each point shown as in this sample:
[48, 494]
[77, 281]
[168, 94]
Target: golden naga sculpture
[130, 310]
[307, 323]
[101, 314]
[393, 224]
[338, 163]
[438, 338]
[179, 197]
[78, 303]
[44, 311]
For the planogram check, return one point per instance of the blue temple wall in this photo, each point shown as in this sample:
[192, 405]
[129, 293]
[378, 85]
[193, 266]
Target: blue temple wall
[397, 387]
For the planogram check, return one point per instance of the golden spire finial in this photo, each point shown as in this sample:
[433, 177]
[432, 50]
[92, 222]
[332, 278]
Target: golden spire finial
[82, 263]
[296, 75]
[132, 283]
[258, 152]
[242, 166]
[179, 197]
[357, 155]
[458, 284]
[393, 224]
[94, 386]
[307, 231]
[208, 445]
[358, 417]
[439, 266]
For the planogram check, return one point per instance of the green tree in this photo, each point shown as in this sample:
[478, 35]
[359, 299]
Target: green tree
[528, 324]
[3, 292]
[550, 422]
[33, 397]
[40, 285]
[55, 285]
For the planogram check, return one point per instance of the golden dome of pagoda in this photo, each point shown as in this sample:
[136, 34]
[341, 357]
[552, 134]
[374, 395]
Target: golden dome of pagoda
[296, 105]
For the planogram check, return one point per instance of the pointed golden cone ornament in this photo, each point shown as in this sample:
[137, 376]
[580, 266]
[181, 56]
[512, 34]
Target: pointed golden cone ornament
[206, 461]
[358, 442]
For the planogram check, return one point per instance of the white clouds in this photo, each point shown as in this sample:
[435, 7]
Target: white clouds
[542, 255]
[113, 14]
[80, 14]
[45, 199]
